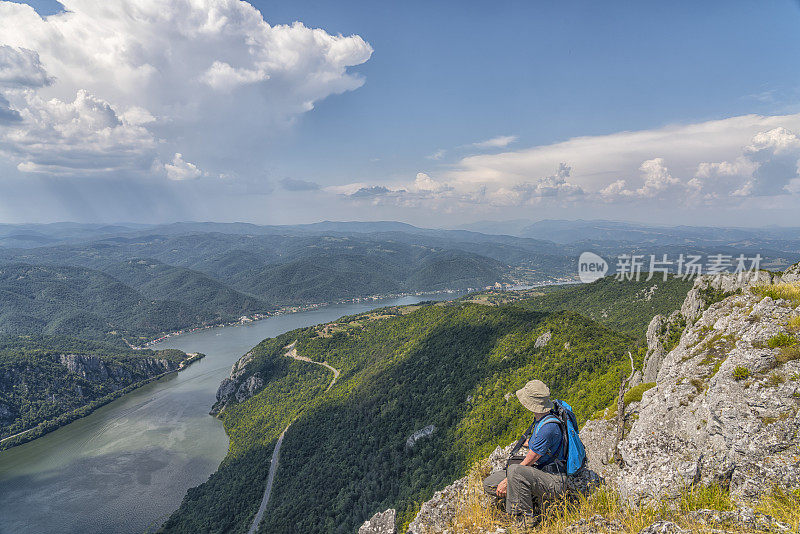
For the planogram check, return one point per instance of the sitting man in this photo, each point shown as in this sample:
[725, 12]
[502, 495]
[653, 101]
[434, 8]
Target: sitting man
[542, 474]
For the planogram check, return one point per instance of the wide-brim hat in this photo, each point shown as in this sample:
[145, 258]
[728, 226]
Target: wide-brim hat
[535, 396]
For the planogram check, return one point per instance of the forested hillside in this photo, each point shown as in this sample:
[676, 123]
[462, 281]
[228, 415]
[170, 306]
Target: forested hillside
[453, 366]
[626, 306]
[49, 381]
[159, 281]
[80, 302]
[275, 269]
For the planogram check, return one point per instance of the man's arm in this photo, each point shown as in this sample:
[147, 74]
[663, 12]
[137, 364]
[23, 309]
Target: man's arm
[531, 458]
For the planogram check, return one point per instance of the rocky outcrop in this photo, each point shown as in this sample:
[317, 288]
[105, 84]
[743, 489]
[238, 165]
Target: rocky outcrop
[249, 387]
[42, 391]
[98, 369]
[422, 433]
[725, 408]
[655, 348]
[792, 274]
[543, 340]
[380, 523]
[705, 287]
[725, 405]
[235, 387]
[436, 515]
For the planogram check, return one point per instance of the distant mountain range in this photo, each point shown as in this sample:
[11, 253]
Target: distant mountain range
[110, 281]
[565, 232]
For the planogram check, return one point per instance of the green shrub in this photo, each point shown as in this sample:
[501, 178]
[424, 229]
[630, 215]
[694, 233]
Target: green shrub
[740, 373]
[674, 332]
[781, 340]
[635, 393]
[711, 295]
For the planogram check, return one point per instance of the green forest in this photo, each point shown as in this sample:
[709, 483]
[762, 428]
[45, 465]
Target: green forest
[626, 306]
[454, 366]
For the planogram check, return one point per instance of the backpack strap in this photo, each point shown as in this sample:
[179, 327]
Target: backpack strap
[526, 436]
[549, 418]
[557, 457]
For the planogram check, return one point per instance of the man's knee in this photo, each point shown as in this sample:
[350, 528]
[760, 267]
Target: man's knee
[490, 483]
[519, 472]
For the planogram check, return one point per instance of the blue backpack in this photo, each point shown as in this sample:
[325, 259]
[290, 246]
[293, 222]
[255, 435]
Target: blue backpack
[574, 458]
[576, 452]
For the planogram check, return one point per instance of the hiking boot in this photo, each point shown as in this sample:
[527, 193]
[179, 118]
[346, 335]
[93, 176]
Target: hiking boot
[528, 520]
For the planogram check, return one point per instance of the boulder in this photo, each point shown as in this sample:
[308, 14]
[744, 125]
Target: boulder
[420, 434]
[543, 340]
[663, 527]
[380, 523]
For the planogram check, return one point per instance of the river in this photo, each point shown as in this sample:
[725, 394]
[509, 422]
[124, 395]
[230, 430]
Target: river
[126, 467]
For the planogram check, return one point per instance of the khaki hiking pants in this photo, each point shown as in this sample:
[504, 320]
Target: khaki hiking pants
[527, 487]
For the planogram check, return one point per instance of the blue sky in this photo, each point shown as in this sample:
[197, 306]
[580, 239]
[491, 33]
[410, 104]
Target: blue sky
[434, 81]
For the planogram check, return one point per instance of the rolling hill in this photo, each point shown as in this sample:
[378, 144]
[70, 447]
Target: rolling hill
[623, 306]
[79, 302]
[156, 280]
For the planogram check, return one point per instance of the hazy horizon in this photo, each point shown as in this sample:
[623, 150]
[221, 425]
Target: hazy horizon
[466, 226]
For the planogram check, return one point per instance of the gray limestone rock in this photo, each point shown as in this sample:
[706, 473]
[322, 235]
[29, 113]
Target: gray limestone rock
[543, 340]
[742, 429]
[249, 387]
[420, 434]
[662, 527]
[380, 523]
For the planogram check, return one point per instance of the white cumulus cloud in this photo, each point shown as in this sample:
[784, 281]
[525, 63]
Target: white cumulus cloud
[84, 135]
[181, 170]
[500, 141]
[715, 162]
[20, 67]
[175, 74]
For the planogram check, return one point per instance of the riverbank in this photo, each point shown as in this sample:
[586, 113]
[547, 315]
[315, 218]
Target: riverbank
[64, 419]
[300, 308]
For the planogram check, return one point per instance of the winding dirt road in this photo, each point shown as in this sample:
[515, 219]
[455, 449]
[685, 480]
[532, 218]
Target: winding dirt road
[291, 352]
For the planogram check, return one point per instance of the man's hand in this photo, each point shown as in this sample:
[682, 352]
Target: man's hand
[502, 488]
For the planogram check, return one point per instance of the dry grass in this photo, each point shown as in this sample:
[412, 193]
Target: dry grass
[790, 292]
[789, 354]
[783, 505]
[605, 505]
[699, 497]
[793, 325]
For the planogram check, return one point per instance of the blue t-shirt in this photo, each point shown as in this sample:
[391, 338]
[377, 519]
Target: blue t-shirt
[546, 442]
